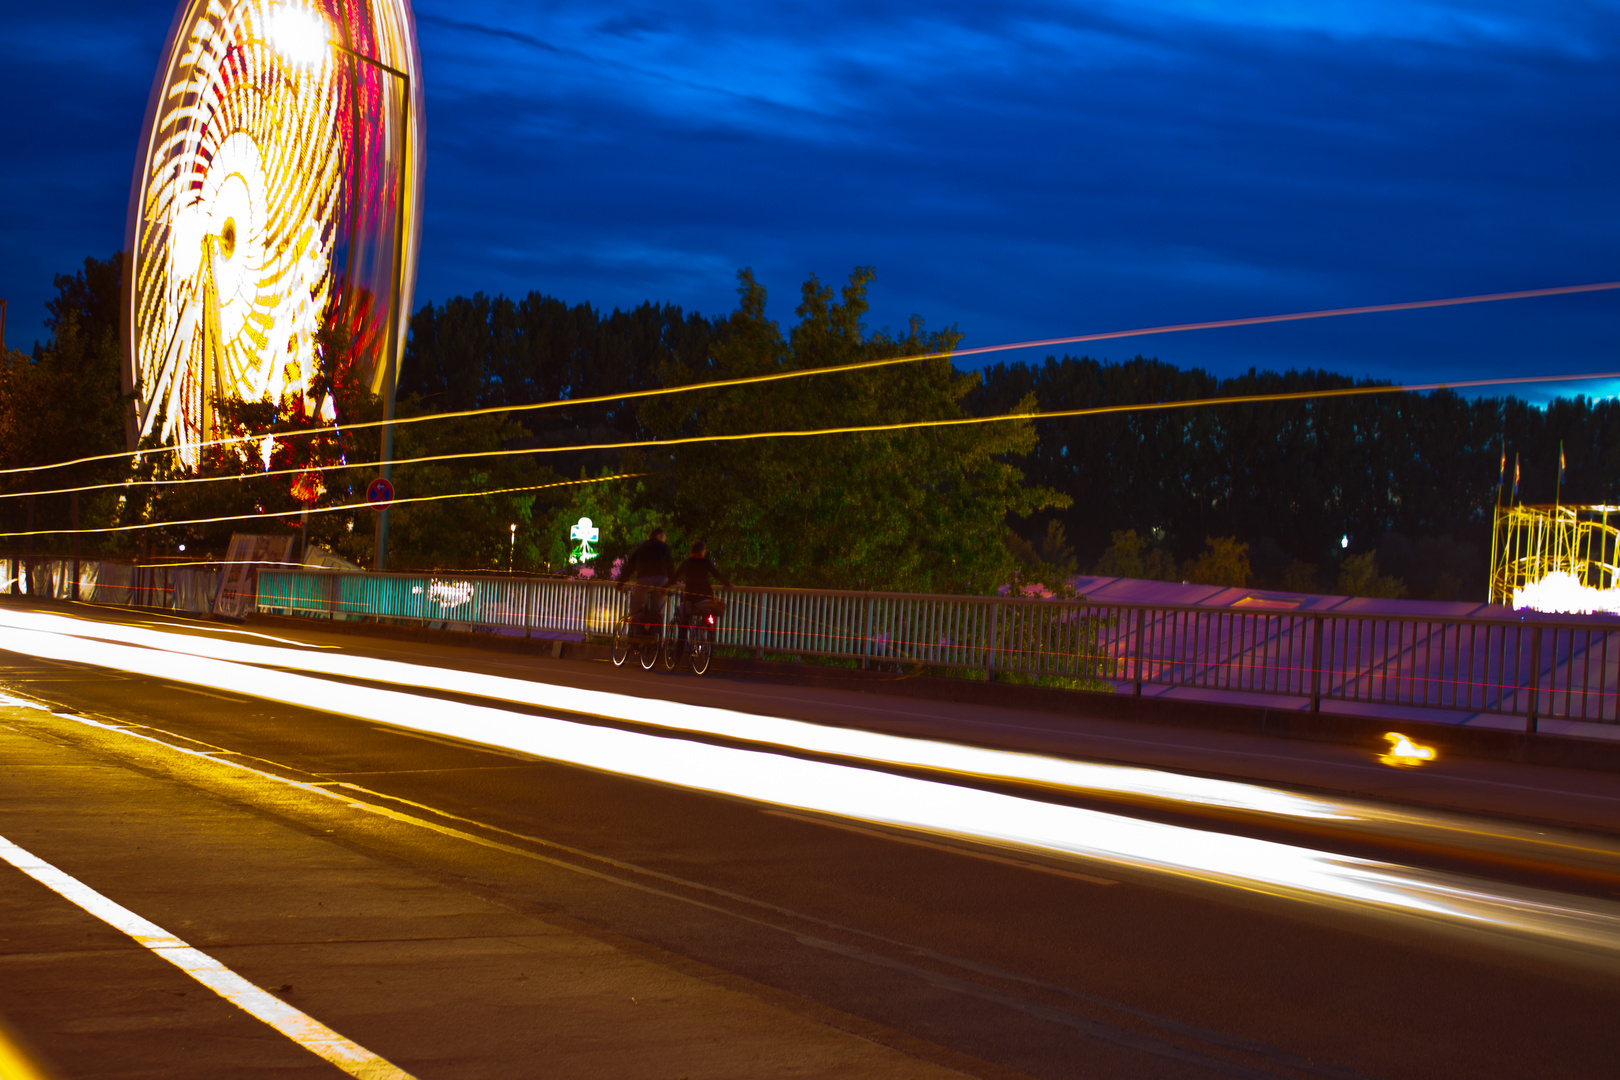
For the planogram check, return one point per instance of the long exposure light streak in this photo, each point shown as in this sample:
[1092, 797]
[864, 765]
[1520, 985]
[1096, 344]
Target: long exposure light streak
[339, 508]
[136, 455]
[905, 802]
[905, 425]
[857, 745]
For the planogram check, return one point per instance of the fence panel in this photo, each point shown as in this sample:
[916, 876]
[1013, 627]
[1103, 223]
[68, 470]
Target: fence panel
[1540, 670]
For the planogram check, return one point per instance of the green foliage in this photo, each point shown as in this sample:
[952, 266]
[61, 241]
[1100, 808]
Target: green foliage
[1131, 556]
[912, 510]
[1358, 576]
[619, 509]
[1224, 561]
[464, 533]
[1299, 474]
[1300, 576]
[1049, 564]
[63, 402]
[1411, 475]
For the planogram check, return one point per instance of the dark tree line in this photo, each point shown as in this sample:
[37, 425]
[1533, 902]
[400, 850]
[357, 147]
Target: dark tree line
[1409, 477]
[1412, 476]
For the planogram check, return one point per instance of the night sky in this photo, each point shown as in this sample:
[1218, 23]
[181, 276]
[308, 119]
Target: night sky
[1019, 169]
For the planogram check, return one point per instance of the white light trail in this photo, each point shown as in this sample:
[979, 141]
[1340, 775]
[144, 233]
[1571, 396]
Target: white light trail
[872, 746]
[905, 802]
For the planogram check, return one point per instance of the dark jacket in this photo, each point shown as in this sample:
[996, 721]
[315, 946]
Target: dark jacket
[651, 558]
[696, 573]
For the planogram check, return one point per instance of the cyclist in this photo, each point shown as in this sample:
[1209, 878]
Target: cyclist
[650, 566]
[697, 574]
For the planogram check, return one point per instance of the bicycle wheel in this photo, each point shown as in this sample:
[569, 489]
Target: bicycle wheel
[621, 642]
[699, 649]
[672, 647]
[652, 643]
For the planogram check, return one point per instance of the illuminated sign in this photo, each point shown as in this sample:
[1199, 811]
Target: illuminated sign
[583, 534]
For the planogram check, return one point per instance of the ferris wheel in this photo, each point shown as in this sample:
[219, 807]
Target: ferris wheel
[277, 190]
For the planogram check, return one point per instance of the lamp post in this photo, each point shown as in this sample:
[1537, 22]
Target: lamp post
[302, 37]
[512, 551]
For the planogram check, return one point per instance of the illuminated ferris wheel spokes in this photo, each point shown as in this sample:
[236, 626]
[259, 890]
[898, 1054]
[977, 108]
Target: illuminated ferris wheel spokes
[257, 206]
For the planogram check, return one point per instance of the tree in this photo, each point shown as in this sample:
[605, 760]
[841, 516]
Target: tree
[1358, 576]
[1130, 556]
[1224, 561]
[65, 402]
[917, 509]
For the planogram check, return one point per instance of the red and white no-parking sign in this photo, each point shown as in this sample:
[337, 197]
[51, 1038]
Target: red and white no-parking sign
[380, 493]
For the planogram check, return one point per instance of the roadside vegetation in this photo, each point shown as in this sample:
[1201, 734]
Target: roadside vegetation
[1387, 495]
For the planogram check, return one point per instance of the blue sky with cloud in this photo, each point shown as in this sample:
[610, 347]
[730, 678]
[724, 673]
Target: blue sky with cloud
[1022, 170]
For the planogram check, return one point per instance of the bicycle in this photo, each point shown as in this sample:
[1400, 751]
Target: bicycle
[640, 632]
[700, 627]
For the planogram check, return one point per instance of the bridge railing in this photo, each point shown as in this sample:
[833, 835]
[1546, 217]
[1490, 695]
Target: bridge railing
[1533, 668]
[189, 589]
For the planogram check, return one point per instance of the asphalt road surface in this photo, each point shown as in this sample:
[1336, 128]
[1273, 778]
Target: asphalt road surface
[444, 908]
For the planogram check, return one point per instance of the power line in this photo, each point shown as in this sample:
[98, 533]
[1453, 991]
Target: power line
[1411, 305]
[318, 509]
[1097, 410]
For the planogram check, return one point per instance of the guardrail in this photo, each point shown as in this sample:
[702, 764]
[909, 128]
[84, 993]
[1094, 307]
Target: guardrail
[190, 589]
[1532, 668]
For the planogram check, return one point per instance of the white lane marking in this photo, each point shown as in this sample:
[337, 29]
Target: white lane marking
[301, 1028]
[985, 855]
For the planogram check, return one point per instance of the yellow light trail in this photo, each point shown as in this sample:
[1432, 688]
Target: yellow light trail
[904, 425]
[849, 791]
[320, 509]
[629, 395]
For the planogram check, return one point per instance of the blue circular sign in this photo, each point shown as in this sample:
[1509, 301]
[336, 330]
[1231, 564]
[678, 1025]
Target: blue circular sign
[380, 493]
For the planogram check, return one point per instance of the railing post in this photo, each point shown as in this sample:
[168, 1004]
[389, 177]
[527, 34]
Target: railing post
[866, 637]
[1141, 639]
[990, 642]
[1316, 664]
[1535, 679]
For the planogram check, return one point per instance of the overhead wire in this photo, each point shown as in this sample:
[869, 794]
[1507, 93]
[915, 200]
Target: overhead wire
[1096, 410]
[777, 376]
[319, 509]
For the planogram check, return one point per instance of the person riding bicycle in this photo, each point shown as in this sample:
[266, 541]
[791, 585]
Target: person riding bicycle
[650, 565]
[696, 574]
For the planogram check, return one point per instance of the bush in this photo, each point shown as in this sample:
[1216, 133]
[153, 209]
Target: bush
[1225, 562]
[1358, 576]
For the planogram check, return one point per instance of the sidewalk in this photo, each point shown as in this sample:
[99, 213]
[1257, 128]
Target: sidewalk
[436, 978]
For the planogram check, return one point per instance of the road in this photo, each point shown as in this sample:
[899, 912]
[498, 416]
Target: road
[515, 906]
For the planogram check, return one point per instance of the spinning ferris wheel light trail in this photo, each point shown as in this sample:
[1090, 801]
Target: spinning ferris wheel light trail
[274, 209]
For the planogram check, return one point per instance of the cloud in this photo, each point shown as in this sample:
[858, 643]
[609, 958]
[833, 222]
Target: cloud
[1024, 170]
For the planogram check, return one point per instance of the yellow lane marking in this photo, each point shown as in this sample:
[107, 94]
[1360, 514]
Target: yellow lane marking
[301, 1028]
[204, 693]
[952, 849]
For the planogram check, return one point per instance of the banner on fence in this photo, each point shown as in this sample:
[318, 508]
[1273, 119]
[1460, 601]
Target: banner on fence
[246, 553]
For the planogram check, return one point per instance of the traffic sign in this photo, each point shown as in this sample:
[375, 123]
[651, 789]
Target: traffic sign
[380, 493]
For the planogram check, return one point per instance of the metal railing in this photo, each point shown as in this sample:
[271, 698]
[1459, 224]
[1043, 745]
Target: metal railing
[190, 589]
[1535, 668]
